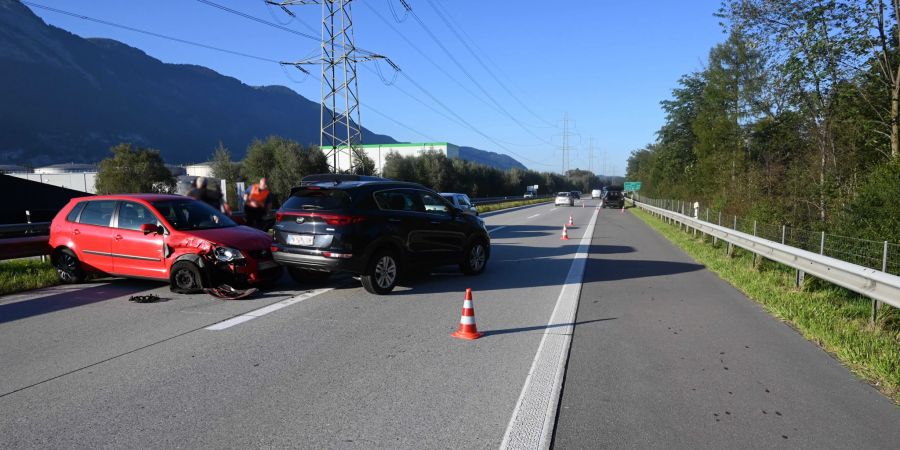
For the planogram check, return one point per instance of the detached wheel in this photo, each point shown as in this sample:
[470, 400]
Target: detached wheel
[381, 276]
[308, 276]
[68, 267]
[185, 278]
[475, 258]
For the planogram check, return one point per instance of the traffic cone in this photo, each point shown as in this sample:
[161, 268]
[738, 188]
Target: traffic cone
[467, 329]
[571, 222]
[565, 234]
[622, 211]
[582, 204]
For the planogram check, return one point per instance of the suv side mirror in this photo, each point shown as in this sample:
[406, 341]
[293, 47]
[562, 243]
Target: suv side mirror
[148, 228]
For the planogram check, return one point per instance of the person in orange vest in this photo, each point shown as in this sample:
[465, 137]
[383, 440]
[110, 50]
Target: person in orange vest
[257, 202]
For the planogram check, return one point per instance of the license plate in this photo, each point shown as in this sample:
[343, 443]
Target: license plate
[265, 265]
[305, 240]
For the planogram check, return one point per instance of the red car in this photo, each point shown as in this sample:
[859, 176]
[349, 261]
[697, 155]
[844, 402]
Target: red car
[160, 237]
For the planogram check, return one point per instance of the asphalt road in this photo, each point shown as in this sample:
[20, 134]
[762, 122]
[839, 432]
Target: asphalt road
[683, 360]
[332, 366]
[87, 368]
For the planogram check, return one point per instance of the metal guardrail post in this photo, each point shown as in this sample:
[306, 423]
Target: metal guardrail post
[730, 248]
[884, 259]
[783, 232]
[822, 244]
[755, 255]
[716, 238]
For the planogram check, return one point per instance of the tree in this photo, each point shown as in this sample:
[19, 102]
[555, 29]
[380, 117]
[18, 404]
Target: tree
[133, 170]
[223, 167]
[283, 163]
[364, 164]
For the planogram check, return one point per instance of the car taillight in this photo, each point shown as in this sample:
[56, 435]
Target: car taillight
[330, 219]
[337, 255]
[340, 219]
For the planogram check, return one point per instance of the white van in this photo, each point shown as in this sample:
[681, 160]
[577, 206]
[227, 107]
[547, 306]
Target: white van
[596, 193]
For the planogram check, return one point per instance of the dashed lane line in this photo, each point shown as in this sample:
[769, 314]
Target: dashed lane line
[533, 419]
[267, 309]
[532, 217]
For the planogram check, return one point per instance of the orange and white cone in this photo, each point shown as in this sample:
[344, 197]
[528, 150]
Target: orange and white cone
[571, 222]
[622, 211]
[467, 328]
[565, 234]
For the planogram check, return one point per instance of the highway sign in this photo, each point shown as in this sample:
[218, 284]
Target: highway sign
[632, 185]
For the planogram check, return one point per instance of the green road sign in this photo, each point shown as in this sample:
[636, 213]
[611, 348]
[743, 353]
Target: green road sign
[632, 185]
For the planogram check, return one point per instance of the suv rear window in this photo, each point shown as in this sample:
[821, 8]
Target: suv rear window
[317, 199]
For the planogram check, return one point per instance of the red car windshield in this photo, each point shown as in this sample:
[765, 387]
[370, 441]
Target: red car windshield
[190, 214]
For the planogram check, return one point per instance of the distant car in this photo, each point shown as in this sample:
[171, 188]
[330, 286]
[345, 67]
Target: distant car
[161, 237]
[528, 195]
[576, 195]
[613, 198]
[596, 193]
[461, 201]
[564, 199]
[375, 229]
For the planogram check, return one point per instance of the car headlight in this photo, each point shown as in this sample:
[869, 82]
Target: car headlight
[481, 222]
[227, 254]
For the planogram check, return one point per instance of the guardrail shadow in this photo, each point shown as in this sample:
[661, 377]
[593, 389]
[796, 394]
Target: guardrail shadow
[486, 333]
[65, 300]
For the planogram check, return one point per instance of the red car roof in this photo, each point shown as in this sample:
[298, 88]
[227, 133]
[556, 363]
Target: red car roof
[144, 197]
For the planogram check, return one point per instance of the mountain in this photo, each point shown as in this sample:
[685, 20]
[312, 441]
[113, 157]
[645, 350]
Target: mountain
[64, 98]
[497, 160]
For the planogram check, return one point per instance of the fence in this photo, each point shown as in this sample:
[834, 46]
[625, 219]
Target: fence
[863, 266]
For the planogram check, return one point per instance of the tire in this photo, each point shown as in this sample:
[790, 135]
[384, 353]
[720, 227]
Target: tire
[382, 273]
[185, 278]
[305, 276]
[475, 257]
[68, 267]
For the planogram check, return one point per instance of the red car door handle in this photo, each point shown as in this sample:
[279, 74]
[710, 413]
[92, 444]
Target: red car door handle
[118, 237]
[76, 231]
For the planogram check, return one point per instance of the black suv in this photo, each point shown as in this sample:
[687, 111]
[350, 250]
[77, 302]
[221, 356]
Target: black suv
[374, 228]
[613, 198]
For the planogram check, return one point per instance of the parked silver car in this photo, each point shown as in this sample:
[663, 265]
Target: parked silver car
[461, 201]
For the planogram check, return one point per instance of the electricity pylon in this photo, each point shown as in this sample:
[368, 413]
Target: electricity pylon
[341, 132]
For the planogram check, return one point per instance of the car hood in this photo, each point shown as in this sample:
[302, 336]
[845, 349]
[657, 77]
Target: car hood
[240, 237]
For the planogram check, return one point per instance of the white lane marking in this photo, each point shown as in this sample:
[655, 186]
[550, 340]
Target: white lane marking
[554, 209]
[497, 228]
[267, 309]
[532, 217]
[531, 424]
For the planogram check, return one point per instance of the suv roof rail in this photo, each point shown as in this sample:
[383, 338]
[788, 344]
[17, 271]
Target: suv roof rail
[338, 178]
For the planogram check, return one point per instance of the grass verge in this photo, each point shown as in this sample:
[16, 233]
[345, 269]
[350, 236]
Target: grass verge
[834, 318]
[512, 204]
[18, 275]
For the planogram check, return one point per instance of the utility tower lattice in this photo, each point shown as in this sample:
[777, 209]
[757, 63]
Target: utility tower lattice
[341, 132]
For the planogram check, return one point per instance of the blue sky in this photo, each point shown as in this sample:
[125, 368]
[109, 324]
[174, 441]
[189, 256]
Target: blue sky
[607, 64]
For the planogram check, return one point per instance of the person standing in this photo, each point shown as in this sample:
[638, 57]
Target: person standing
[205, 195]
[257, 203]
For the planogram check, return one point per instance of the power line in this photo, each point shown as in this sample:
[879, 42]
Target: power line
[149, 33]
[471, 78]
[458, 31]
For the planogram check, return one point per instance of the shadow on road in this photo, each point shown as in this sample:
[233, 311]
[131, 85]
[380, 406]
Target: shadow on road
[69, 299]
[486, 333]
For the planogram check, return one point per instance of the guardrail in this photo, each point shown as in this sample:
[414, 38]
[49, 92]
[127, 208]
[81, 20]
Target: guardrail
[493, 200]
[22, 240]
[875, 284]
